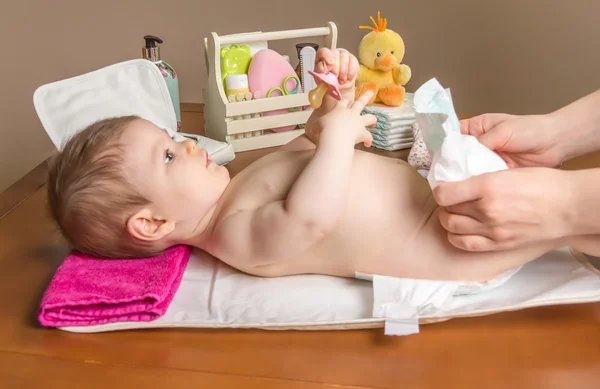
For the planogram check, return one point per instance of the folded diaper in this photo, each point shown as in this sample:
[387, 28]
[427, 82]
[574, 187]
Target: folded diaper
[455, 156]
[405, 134]
[395, 141]
[86, 291]
[393, 146]
[386, 115]
[393, 129]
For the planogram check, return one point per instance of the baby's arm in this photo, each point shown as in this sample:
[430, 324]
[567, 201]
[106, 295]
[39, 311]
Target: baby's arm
[345, 66]
[285, 229]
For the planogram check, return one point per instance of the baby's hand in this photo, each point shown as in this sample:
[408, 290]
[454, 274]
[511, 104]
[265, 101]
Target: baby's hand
[344, 121]
[339, 62]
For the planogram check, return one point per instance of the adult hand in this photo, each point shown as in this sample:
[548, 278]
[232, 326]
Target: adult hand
[522, 141]
[506, 209]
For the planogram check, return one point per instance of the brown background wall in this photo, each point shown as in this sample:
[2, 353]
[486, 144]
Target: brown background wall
[520, 56]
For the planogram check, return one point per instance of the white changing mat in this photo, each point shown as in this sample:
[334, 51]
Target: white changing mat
[214, 295]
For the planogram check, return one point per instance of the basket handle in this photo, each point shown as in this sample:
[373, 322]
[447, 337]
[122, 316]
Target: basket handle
[278, 35]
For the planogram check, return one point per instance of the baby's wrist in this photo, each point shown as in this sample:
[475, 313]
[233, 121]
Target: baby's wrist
[335, 136]
[348, 94]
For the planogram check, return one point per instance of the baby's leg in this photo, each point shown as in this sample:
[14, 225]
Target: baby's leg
[457, 264]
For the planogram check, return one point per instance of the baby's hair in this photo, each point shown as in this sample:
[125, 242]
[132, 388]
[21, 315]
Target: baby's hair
[90, 196]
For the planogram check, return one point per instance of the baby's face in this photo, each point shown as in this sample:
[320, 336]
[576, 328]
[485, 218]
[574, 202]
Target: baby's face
[178, 178]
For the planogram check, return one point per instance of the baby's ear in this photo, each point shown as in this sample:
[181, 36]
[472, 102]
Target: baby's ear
[143, 225]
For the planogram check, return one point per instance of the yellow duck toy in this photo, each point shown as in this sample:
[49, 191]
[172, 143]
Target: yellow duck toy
[380, 54]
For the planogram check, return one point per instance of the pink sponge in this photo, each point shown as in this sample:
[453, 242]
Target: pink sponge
[267, 70]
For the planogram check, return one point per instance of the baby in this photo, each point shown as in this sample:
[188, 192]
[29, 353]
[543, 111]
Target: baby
[122, 188]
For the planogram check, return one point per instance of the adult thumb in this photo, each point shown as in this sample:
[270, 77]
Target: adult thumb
[496, 138]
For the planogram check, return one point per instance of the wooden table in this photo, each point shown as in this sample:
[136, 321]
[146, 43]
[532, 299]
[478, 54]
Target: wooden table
[551, 347]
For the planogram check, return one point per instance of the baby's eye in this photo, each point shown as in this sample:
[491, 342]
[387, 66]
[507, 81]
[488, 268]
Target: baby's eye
[169, 156]
[379, 54]
[392, 52]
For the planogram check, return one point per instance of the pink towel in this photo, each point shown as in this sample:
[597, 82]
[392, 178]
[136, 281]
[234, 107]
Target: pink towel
[87, 291]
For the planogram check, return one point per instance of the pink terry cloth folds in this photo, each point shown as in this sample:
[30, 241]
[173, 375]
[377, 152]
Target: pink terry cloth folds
[87, 291]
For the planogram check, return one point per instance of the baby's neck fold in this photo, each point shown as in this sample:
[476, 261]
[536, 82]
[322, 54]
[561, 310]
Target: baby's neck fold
[201, 235]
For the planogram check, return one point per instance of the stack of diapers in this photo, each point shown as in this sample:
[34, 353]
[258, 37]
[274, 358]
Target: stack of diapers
[186, 287]
[393, 130]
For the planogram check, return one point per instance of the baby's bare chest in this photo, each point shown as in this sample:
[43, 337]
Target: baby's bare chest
[268, 179]
[380, 191]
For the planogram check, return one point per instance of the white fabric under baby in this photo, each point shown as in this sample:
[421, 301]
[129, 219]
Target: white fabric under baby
[455, 156]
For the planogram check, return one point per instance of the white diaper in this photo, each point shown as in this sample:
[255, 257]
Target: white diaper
[455, 157]
[459, 288]
[403, 300]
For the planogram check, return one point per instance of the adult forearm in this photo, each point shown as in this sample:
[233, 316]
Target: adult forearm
[317, 196]
[579, 126]
[585, 201]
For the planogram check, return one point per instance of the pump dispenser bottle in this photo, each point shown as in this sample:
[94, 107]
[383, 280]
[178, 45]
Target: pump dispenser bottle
[151, 52]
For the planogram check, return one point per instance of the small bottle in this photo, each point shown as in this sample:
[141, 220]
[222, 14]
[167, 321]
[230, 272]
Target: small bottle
[237, 84]
[151, 52]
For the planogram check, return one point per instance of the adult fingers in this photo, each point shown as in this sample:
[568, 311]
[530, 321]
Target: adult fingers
[474, 243]
[479, 125]
[461, 225]
[472, 126]
[452, 193]
[470, 209]
[497, 138]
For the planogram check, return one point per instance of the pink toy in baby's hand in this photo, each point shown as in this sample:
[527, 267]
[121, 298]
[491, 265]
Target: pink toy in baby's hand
[327, 83]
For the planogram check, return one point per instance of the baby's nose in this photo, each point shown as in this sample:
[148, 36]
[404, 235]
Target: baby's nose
[190, 147]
